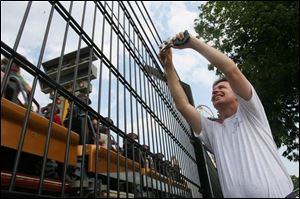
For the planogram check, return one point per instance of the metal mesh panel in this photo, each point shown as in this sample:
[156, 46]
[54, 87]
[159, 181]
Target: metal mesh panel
[120, 134]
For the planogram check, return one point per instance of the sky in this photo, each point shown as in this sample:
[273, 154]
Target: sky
[168, 17]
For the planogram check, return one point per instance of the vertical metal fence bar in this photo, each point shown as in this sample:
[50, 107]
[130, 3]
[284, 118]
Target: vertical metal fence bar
[182, 168]
[172, 169]
[152, 130]
[88, 89]
[149, 123]
[179, 154]
[118, 117]
[167, 157]
[147, 127]
[109, 105]
[134, 147]
[141, 133]
[163, 134]
[125, 112]
[132, 143]
[140, 187]
[168, 138]
[159, 163]
[66, 160]
[100, 95]
[176, 172]
[158, 139]
[150, 159]
[101, 62]
[73, 92]
[145, 154]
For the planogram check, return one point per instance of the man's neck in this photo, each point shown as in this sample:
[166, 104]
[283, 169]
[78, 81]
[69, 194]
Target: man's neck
[227, 111]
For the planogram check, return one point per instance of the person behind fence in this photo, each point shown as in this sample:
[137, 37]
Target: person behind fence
[12, 89]
[148, 163]
[247, 160]
[103, 133]
[157, 160]
[176, 168]
[78, 120]
[130, 147]
[47, 111]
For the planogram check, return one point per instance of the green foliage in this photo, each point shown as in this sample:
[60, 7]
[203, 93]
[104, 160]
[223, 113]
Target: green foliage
[295, 180]
[262, 37]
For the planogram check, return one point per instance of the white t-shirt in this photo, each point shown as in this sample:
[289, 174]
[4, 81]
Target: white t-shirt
[246, 155]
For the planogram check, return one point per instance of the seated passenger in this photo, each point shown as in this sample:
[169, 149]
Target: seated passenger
[158, 159]
[16, 82]
[114, 145]
[78, 121]
[103, 133]
[149, 161]
[132, 149]
[130, 146]
[176, 168]
[47, 110]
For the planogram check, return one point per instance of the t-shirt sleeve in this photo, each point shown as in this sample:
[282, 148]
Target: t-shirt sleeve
[23, 82]
[253, 106]
[254, 109]
[206, 135]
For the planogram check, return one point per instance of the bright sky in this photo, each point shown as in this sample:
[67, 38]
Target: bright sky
[172, 17]
[169, 18]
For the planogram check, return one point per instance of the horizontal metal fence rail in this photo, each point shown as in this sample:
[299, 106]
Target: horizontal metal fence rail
[108, 75]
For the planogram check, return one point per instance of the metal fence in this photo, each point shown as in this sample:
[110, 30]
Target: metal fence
[93, 65]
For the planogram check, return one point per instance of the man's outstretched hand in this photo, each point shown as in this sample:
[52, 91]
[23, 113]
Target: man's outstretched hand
[182, 40]
[166, 57]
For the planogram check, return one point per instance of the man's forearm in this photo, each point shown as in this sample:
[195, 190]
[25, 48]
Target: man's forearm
[237, 80]
[175, 87]
[214, 56]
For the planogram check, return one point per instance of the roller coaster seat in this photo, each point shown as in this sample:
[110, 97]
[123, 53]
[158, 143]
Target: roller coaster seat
[132, 150]
[78, 122]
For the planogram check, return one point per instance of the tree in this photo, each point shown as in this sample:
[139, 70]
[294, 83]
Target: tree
[295, 180]
[262, 37]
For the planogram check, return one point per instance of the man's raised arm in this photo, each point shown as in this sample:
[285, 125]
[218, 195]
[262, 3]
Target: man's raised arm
[237, 80]
[181, 101]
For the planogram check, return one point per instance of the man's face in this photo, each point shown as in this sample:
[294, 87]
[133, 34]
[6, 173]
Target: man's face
[222, 94]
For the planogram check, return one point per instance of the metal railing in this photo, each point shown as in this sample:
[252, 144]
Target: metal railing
[117, 44]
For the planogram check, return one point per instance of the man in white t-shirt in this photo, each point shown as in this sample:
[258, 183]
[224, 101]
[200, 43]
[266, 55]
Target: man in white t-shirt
[246, 155]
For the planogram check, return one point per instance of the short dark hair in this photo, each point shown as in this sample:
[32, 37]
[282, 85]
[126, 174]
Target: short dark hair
[109, 120]
[222, 79]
